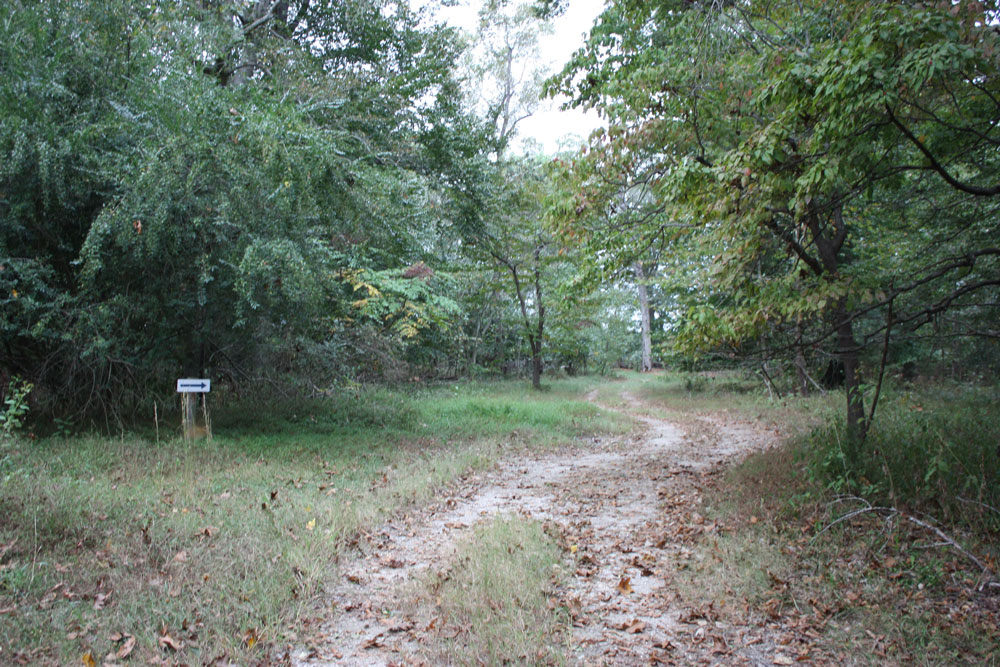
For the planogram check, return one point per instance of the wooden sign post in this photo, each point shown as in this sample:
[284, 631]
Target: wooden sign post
[187, 388]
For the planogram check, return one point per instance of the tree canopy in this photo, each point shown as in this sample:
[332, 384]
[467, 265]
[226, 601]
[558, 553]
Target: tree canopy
[314, 191]
[824, 171]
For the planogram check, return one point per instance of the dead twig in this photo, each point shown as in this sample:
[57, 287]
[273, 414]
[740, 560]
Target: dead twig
[989, 579]
[976, 502]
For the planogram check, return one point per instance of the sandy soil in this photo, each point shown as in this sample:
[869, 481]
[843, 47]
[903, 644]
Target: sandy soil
[625, 502]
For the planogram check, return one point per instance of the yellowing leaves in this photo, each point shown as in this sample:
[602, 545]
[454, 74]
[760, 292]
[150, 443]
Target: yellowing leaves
[251, 637]
[311, 524]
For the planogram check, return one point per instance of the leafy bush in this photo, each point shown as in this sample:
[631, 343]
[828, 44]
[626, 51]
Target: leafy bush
[15, 407]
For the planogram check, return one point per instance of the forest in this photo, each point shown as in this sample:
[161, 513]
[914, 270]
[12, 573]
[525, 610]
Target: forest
[329, 209]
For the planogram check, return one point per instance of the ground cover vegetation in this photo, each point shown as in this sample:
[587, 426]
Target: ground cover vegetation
[795, 548]
[303, 201]
[219, 550]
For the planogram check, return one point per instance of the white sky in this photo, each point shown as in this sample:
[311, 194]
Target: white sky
[552, 128]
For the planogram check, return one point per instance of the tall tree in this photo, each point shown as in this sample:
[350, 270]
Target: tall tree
[157, 223]
[803, 141]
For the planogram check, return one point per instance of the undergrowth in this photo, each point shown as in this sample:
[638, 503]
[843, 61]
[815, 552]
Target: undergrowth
[210, 550]
[876, 588]
[933, 450]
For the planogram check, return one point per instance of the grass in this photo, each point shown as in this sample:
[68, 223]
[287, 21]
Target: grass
[931, 449]
[215, 548]
[495, 600]
[869, 592]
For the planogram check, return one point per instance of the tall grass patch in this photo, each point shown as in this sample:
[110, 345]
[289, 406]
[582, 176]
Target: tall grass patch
[208, 549]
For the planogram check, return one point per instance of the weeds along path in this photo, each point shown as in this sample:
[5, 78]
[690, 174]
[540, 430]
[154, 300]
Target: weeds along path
[621, 509]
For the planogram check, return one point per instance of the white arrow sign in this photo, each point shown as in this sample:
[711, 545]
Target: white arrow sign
[198, 386]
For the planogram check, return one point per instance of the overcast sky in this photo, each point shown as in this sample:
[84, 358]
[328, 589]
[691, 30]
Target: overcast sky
[550, 127]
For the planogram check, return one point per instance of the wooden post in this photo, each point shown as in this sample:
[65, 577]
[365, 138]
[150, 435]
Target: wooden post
[208, 420]
[188, 389]
[187, 415]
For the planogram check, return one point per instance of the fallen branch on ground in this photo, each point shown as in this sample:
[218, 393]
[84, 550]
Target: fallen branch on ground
[987, 576]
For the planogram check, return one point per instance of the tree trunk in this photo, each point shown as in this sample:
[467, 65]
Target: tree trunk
[647, 345]
[800, 363]
[536, 348]
[847, 351]
[536, 364]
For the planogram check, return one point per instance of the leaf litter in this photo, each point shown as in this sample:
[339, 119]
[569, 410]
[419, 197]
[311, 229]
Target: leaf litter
[624, 510]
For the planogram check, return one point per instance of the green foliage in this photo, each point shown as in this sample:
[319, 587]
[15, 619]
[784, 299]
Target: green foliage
[930, 450]
[15, 407]
[183, 195]
[813, 169]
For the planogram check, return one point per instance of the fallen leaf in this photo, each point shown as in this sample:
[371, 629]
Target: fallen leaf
[783, 660]
[125, 650]
[397, 624]
[50, 596]
[88, 659]
[165, 641]
[393, 563]
[181, 557]
[625, 585]
[311, 524]
[374, 642]
[250, 637]
[633, 627]
[101, 601]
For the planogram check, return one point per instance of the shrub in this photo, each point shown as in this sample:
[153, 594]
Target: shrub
[938, 453]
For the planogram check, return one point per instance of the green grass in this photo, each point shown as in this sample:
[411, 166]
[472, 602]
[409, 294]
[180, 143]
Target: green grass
[218, 541]
[495, 600]
[934, 449]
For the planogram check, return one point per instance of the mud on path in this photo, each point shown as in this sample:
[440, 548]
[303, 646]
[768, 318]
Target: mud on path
[624, 504]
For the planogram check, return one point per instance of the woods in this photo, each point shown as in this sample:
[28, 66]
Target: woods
[309, 192]
[800, 161]
[785, 221]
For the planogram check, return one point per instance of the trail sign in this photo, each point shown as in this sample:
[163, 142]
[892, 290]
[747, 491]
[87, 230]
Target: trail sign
[194, 386]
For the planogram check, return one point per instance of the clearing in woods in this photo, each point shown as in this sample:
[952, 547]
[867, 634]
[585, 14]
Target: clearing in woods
[623, 509]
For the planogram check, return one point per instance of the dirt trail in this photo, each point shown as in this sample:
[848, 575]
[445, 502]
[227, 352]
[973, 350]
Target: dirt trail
[619, 500]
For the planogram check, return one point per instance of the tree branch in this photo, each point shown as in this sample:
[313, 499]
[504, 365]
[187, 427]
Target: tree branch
[938, 167]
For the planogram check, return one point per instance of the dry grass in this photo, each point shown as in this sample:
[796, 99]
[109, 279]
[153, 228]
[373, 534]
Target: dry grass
[495, 600]
[210, 551]
[862, 593]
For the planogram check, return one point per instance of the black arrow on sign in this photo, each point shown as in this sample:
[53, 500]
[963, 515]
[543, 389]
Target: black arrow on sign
[184, 386]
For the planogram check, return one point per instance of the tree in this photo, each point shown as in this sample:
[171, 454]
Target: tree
[512, 237]
[806, 143]
[156, 222]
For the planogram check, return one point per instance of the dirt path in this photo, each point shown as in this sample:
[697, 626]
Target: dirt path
[624, 502]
